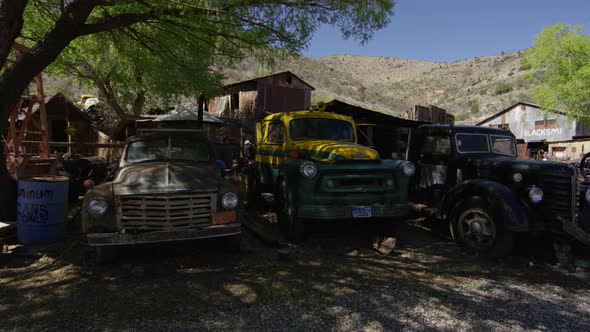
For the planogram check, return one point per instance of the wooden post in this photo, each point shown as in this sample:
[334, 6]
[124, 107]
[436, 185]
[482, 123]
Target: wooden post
[24, 126]
[44, 153]
[200, 110]
[12, 130]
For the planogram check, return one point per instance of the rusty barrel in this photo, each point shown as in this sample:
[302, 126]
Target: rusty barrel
[42, 204]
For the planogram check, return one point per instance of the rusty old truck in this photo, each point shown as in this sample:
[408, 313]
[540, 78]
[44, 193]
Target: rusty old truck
[167, 187]
[312, 163]
[471, 178]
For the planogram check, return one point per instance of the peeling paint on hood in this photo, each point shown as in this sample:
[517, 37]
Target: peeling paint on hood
[166, 177]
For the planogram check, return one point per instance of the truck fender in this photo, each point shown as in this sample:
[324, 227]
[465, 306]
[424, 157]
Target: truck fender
[515, 215]
[289, 170]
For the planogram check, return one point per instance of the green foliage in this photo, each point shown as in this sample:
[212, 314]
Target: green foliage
[502, 88]
[474, 107]
[161, 50]
[462, 117]
[561, 59]
[525, 65]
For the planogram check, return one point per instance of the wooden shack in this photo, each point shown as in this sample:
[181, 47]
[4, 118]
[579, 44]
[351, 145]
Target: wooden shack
[431, 114]
[69, 129]
[242, 103]
[377, 127]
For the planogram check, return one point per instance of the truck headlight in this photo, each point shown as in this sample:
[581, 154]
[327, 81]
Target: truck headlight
[229, 201]
[97, 207]
[535, 195]
[588, 195]
[408, 168]
[308, 169]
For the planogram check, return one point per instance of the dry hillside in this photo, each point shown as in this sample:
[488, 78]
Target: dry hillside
[469, 89]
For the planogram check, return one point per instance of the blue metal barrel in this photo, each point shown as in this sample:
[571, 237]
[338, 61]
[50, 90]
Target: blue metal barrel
[42, 204]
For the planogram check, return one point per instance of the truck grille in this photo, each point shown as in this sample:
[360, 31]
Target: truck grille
[165, 211]
[558, 193]
[359, 183]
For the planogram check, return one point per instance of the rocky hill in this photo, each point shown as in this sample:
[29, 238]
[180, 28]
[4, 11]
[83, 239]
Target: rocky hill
[470, 89]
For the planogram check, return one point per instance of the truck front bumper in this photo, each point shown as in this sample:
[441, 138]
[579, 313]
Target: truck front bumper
[113, 239]
[345, 211]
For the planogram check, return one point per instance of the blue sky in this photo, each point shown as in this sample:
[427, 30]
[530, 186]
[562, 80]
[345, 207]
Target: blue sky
[452, 30]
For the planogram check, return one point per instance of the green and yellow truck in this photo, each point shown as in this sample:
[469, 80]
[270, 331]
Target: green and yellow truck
[312, 163]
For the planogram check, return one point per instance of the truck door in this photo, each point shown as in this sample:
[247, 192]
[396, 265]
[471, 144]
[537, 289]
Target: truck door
[433, 154]
[270, 153]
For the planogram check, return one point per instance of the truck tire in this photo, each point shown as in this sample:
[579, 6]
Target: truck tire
[293, 226]
[234, 243]
[477, 226]
[252, 194]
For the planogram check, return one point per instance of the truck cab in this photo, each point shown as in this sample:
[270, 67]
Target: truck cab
[471, 178]
[167, 187]
[312, 163]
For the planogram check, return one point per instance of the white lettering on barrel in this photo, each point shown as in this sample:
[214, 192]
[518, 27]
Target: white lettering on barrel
[35, 194]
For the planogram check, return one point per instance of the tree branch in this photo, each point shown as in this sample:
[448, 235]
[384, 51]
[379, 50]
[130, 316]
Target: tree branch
[11, 23]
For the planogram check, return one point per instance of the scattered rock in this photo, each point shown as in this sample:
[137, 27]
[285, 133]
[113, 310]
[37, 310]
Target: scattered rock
[386, 246]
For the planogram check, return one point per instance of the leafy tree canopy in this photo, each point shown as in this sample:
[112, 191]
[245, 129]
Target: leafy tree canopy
[561, 58]
[165, 47]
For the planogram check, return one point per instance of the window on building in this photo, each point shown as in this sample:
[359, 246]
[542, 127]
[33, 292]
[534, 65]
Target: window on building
[551, 123]
[505, 126]
[559, 152]
[540, 124]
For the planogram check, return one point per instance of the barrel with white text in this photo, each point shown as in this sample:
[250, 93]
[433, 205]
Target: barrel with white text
[42, 204]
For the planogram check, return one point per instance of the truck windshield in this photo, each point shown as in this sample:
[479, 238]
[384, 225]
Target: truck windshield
[167, 148]
[481, 143]
[321, 129]
[503, 145]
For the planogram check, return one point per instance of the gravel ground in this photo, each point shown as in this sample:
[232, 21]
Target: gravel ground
[332, 282]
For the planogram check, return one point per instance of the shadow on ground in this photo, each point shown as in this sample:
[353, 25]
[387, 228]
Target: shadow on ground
[333, 281]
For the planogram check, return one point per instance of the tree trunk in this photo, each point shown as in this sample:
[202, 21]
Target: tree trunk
[139, 103]
[200, 110]
[11, 23]
[18, 76]
[109, 94]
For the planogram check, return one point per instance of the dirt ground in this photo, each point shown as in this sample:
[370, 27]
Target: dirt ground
[333, 281]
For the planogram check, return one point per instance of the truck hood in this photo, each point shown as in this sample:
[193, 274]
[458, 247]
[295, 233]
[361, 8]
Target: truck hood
[166, 177]
[331, 151]
[502, 164]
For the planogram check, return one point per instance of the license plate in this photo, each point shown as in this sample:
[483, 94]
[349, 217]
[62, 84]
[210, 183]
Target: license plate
[361, 212]
[225, 217]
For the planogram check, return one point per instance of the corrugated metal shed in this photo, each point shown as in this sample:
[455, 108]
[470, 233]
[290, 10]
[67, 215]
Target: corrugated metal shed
[187, 112]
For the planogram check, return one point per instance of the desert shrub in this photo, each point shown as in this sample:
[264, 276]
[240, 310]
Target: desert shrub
[502, 88]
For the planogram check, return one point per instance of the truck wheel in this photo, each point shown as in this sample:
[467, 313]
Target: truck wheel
[287, 213]
[476, 226]
[105, 254]
[252, 195]
[234, 243]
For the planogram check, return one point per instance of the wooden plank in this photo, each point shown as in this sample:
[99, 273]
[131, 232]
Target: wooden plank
[6, 227]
